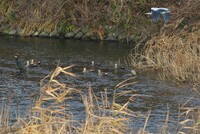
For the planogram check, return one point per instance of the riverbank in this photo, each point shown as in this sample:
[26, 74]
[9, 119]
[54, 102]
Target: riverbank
[123, 21]
[116, 20]
[174, 50]
[83, 33]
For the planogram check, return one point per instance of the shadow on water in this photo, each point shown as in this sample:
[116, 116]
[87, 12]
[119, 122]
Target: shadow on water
[24, 87]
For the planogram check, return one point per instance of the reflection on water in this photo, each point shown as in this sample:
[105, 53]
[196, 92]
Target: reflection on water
[157, 96]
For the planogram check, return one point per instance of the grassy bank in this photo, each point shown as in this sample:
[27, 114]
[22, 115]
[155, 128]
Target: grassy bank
[175, 48]
[173, 53]
[122, 20]
[176, 55]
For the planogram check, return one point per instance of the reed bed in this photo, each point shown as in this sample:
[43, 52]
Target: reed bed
[176, 55]
[173, 53]
[48, 114]
[51, 113]
[174, 48]
[191, 116]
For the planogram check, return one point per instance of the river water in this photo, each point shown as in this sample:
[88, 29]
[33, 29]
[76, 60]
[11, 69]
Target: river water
[157, 96]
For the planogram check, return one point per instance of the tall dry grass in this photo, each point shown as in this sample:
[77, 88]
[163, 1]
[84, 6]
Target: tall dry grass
[173, 53]
[177, 55]
[174, 48]
[49, 116]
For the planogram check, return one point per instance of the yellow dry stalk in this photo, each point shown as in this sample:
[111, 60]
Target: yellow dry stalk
[59, 70]
[6, 8]
[124, 83]
[123, 93]
[55, 90]
[48, 26]
[51, 26]
[121, 109]
[26, 29]
[99, 121]
[59, 97]
[100, 32]
[37, 14]
[104, 125]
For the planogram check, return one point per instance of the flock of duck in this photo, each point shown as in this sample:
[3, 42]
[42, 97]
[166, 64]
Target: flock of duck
[96, 68]
[29, 64]
[93, 68]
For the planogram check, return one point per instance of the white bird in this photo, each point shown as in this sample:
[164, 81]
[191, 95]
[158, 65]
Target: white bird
[156, 12]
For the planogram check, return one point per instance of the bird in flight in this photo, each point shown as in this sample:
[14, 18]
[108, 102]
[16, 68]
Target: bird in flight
[157, 12]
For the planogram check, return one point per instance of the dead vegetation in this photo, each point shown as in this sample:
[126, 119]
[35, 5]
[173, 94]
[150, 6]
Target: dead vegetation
[63, 15]
[49, 116]
[175, 49]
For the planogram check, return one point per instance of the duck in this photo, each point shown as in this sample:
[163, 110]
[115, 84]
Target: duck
[121, 68]
[32, 63]
[85, 70]
[95, 64]
[92, 67]
[19, 64]
[100, 73]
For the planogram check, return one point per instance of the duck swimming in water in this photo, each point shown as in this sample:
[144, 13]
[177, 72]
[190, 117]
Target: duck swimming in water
[100, 73]
[32, 63]
[95, 64]
[116, 67]
[92, 67]
[85, 70]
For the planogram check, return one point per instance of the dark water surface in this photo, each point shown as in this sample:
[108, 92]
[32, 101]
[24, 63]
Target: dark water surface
[157, 96]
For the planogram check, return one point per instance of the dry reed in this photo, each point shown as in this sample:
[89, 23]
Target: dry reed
[174, 49]
[48, 115]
